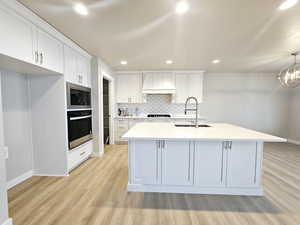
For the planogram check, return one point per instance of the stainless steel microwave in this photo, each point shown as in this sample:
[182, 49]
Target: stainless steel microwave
[78, 97]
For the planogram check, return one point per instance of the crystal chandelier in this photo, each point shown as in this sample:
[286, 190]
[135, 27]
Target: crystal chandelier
[290, 76]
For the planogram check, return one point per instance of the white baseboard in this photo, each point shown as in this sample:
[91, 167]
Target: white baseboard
[10, 184]
[8, 222]
[294, 142]
[50, 175]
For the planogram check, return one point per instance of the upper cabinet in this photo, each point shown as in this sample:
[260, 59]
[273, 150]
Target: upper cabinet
[160, 82]
[187, 85]
[30, 45]
[129, 88]
[49, 52]
[77, 67]
[17, 35]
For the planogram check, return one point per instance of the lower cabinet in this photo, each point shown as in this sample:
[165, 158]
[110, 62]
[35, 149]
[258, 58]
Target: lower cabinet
[78, 155]
[215, 164]
[177, 162]
[243, 164]
[210, 162]
[146, 161]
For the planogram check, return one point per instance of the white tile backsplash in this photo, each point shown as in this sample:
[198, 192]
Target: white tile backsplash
[156, 104]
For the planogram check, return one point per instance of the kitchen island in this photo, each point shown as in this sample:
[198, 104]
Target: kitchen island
[219, 159]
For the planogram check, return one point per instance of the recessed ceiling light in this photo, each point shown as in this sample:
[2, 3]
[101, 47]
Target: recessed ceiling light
[182, 7]
[287, 4]
[123, 62]
[216, 61]
[81, 9]
[169, 62]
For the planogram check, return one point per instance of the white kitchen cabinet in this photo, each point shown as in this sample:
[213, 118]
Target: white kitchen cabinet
[145, 161]
[187, 85]
[121, 127]
[242, 162]
[208, 174]
[17, 37]
[70, 71]
[176, 153]
[158, 81]
[50, 52]
[78, 155]
[77, 68]
[129, 88]
[26, 42]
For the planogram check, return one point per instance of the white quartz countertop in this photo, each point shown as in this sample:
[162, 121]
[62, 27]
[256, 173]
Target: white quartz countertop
[217, 131]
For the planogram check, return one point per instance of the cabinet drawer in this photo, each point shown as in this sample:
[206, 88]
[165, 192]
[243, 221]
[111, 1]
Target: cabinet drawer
[78, 155]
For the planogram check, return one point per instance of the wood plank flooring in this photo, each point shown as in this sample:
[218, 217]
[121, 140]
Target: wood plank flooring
[95, 194]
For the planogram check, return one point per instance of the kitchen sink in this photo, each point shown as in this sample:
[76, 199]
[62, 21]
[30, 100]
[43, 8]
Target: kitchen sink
[191, 125]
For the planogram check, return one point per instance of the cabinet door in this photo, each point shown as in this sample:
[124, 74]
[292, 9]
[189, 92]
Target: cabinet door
[70, 65]
[122, 89]
[50, 52]
[188, 85]
[17, 37]
[129, 88]
[177, 163]
[241, 164]
[82, 70]
[146, 162]
[210, 158]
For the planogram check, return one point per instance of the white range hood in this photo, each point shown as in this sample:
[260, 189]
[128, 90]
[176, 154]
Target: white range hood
[159, 83]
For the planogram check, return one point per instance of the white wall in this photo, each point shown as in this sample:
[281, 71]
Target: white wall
[49, 119]
[99, 71]
[17, 124]
[255, 101]
[294, 116]
[3, 194]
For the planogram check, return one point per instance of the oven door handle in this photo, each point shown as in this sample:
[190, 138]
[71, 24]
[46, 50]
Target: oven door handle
[80, 117]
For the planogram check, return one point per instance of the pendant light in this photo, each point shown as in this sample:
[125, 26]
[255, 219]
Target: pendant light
[290, 77]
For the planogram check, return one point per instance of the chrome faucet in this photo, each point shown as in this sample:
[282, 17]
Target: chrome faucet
[195, 109]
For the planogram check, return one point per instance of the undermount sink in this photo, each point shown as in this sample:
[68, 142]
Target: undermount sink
[191, 125]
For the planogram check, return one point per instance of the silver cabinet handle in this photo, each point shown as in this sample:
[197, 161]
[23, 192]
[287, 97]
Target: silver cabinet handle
[222, 165]
[230, 144]
[36, 56]
[41, 58]
[82, 153]
[80, 117]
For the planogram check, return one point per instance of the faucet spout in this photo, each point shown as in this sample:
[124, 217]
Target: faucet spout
[192, 109]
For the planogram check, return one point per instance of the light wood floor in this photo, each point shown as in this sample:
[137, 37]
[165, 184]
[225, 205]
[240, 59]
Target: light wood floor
[95, 194]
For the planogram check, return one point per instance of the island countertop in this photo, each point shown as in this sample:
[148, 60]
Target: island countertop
[217, 131]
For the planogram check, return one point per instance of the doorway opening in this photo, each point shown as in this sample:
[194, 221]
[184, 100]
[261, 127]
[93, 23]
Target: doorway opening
[106, 112]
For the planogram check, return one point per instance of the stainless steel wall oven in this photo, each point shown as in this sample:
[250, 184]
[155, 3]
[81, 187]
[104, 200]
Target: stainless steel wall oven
[79, 127]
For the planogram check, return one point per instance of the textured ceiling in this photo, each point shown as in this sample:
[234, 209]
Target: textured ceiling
[247, 35]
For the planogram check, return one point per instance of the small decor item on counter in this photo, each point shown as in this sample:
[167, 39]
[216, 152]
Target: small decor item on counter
[290, 76]
[123, 111]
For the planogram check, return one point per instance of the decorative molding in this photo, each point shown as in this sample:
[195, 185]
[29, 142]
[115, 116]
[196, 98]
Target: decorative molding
[8, 222]
[294, 142]
[10, 184]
